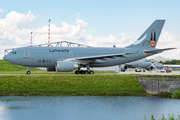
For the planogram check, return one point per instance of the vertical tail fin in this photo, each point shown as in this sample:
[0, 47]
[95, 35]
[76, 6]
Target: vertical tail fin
[150, 37]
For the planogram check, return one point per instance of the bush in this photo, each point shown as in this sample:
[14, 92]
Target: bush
[175, 94]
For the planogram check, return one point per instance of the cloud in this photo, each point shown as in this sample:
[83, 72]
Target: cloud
[77, 15]
[108, 41]
[15, 25]
[14, 29]
[16, 20]
[66, 32]
[1, 11]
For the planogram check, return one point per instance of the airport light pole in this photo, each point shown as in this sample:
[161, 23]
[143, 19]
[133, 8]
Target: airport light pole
[31, 40]
[49, 33]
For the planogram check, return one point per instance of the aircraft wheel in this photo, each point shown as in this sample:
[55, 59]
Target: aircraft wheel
[28, 72]
[91, 72]
[144, 71]
[82, 72]
[86, 72]
[77, 72]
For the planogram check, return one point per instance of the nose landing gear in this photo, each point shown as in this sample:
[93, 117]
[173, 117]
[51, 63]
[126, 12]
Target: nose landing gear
[28, 72]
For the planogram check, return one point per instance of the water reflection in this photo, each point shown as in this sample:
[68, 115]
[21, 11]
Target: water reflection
[85, 107]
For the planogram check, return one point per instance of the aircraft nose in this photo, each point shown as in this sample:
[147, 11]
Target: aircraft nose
[5, 57]
[11, 58]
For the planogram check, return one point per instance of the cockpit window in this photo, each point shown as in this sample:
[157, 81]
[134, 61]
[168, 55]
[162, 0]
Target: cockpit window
[12, 52]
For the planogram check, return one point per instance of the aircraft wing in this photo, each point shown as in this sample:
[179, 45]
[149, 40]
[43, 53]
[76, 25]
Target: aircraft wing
[88, 59]
[157, 50]
[102, 56]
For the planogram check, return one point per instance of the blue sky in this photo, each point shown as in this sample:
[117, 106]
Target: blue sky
[103, 17]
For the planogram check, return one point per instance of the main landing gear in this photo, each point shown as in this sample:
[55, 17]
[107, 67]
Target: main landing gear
[88, 71]
[84, 72]
[28, 72]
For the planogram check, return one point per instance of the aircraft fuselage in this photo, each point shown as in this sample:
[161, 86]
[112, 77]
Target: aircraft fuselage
[47, 56]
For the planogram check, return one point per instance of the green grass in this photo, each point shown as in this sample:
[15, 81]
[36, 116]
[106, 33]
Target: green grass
[64, 84]
[170, 117]
[8, 68]
[94, 85]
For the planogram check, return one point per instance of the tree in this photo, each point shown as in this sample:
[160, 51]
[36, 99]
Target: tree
[161, 62]
[173, 62]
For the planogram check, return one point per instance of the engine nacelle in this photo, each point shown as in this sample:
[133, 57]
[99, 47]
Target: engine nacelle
[123, 67]
[66, 66]
[50, 69]
[149, 68]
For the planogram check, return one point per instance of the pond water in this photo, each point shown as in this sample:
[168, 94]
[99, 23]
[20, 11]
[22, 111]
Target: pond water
[85, 107]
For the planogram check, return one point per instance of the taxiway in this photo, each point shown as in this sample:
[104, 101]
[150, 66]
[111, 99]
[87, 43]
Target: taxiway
[150, 73]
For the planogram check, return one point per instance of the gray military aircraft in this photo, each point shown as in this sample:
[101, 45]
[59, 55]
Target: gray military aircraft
[142, 63]
[158, 65]
[63, 59]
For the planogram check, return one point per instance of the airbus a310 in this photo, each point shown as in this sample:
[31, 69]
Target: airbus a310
[142, 63]
[64, 59]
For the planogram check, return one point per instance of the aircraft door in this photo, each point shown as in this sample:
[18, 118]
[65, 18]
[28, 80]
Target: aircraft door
[71, 54]
[127, 56]
[26, 54]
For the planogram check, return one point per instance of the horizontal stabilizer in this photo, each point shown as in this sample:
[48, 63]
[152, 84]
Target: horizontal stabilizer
[157, 50]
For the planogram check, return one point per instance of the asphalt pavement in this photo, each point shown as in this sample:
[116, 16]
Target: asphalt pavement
[150, 73]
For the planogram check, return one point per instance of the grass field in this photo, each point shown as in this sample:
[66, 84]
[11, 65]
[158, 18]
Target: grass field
[61, 84]
[107, 85]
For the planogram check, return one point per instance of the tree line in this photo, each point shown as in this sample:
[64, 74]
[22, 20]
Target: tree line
[173, 62]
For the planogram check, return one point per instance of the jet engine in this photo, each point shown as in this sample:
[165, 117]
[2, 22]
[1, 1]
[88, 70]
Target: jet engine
[66, 66]
[149, 68]
[123, 67]
[50, 69]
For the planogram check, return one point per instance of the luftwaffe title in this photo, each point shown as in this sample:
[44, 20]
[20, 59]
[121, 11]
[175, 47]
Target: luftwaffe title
[56, 50]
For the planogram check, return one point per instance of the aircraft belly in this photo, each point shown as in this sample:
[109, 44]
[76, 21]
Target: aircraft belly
[109, 62]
